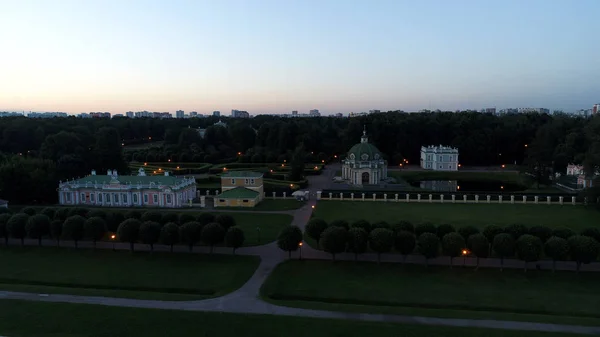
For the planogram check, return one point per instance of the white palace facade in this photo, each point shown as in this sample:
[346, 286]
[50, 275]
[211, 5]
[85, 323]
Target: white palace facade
[439, 158]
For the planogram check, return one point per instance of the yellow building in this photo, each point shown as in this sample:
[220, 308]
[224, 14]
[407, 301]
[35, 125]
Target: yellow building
[240, 189]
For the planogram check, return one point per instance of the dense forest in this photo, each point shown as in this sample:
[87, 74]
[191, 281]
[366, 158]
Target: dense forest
[37, 153]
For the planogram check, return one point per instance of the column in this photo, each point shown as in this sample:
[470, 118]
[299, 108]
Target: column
[465, 198]
[441, 198]
[319, 195]
[548, 200]
[396, 197]
[373, 196]
[489, 199]
[418, 197]
[453, 198]
[560, 200]
[512, 199]
[202, 201]
[524, 199]
[207, 192]
[430, 198]
[500, 199]
[330, 196]
[407, 197]
[274, 195]
[363, 197]
[351, 196]
[536, 199]
[341, 196]
[476, 199]
[573, 200]
[385, 197]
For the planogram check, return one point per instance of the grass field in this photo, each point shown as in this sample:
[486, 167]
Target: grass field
[487, 293]
[122, 274]
[480, 215]
[268, 205]
[39, 319]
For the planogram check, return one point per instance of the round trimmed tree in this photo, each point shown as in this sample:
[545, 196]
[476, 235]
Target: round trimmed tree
[129, 231]
[563, 232]
[16, 226]
[289, 239]
[94, 228]
[529, 249]
[584, 249]
[205, 218]
[405, 243]
[490, 232]
[426, 227]
[234, 238]
[557, 249]
[151, 216]
[516, 230]
[467, 231]
[404, 225]
[212, 234]
[187, 217]
[381, 240]
[169, 217]
[29, 211]
[364, 224]
[444, 229]
[333, 240]
[357, 241]
[133, 214]
[37, 226]
[225, 220]
[429, 246]
[340, 223]
[169, 234]
[452, 245]
[315, 228]
[49, 212]
[592, 232]
[504, 246]
[380, 224]
[150, 233]
[479, 246]
[541, 232]
[73, 228]
[190, 233]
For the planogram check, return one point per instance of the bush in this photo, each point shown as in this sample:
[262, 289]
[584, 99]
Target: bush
[380, 224]
[97, 213]
[426, 227]
[404, 225]
[205, 218]
[133, 214]
[289, 238]
[37, 226]
[73, 228]
[56, 227]
[4, 217]
[225, 220]
[584, 249]
[453, 244]
[29, 211]
[150, 233]
[113, 220]
[429, 245]
[363, 224]
[151, 216]
[169, 217]
[16, 226]
[529, 248]
[169, 234]
[357, 241]
[129, 231]
[557, 249]
[189, 233]
[187, 217]
[61, 214]
[340, 223]
[592, 232]
[479, 246]
[83, 212]
[234, 237]
[314, 229]
[467, 231]
[490, 232]
[541, 232]
[444, 229]
[381, 240]
[334, 240]
[94, 228]
[504, 246]
[516, 230]
[405, 243]
[212, 234]
[49, 212]
[563, 232]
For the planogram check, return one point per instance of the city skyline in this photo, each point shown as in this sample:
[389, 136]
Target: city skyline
[276, 57]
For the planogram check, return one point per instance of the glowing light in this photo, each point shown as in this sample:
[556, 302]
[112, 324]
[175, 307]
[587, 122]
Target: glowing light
[285, 161]
[525, 145]
[465, 252]
[300, 244]
[112, 237]
[239, 153]
[458, 187]
[503, 166]
[458, 165]
[282, 165]
[400, 165]
[291, 185]
[501, 187]
[316, 168]
[145, 164]
[322, 161]
[224, 168]
[335, 156]
[122, 144]
[150, 138]
[169, 160]
[313, 206]
[159, 169]
[178, 167]
[271, 171]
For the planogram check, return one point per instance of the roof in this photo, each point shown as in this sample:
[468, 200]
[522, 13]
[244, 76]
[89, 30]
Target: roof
[3, 202]
[242, 174]
[133, 180]
[364, 150]
[238, 193]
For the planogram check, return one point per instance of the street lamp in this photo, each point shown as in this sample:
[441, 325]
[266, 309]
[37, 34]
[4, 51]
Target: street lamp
[300, 246]
[258, 233]
[313, 206]
[112, 238]
[464, 254]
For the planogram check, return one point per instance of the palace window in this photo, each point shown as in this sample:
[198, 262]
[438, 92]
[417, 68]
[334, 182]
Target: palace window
[124, 198]
[92, 197]
[222, 200]
[232, 181]
[107, 197]
[246, 181]
[116, 196]
[145, 198]
[99, 197]
[168, 198]
[82, 197]
[135, 198]
[245, 200]
[68, 197]
[155, 198]
[252, 181]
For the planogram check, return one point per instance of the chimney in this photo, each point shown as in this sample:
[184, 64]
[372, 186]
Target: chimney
[93, 172]
[166, 173]
[115, 173]
[109, 173]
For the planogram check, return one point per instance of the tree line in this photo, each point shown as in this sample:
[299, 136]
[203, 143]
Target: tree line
[528, 244]
[151, 227]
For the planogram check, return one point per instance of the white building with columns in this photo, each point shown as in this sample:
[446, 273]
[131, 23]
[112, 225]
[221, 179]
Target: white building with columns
[364, 164]
[112, 190]
[439, 158]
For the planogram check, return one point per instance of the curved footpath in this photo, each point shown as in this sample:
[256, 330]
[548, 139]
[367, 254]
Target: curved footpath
[246, 299]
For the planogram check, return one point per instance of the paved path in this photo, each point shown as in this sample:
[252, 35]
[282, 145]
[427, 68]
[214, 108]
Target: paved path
[246, 299]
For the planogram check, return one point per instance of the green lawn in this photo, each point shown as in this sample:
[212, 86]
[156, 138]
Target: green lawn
[40, 319]
[438, 291]
[270, 225]
[166, 276]
[480, 215]
[268, 205]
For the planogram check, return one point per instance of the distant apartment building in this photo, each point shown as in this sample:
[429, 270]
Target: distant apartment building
[239, 114]
[10, 114]
[314, 113]
[99, 114]
[47, 114]
[490, 111]
[534, 110]
[216, 113]
[129, 114]
[194, 114]
[295, 113]
[374, 111]
[148, 114]
[179, 114]
[439, 158]
[595, 108]
[118, 115]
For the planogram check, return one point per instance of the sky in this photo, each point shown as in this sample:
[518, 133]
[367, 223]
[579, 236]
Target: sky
[275, 56]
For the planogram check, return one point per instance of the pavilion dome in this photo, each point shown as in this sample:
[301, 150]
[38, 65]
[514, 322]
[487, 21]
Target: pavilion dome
[364, 151]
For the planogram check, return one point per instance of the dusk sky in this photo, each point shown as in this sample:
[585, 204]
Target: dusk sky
[274, 56]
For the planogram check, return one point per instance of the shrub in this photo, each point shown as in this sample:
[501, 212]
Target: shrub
[467, 231]
[429, 245]
[357, 241]
[205, 218]
[151, 216]
[169, 234]
[212, 234]
[529, 248]
[444, 229]
[49, 212]
[314, 229]
[187, 217]
[4, 217]
[133, 214]
[405, 243]
[73, 228]
[592, 232]
[16, 226]
[333, 240]
[584, 249]
[453, 244]
[83, 212]
[97, 213]
[225, 220]
[150, 233]
[380, 224]
[94, 228]
[37, 226]
[189, 233]
[503, 245]
[169, 217]
[479, 246]
[556, 248]
[404, 225]
[516, 230]
[234, 237]
[61, 214]
[129, 231]
[490, 232]
[340, 223]
[381, 240]
[289, 238]
[541, 232]
[29, 211]
[364, 224]
[563, 232]
[426, 227]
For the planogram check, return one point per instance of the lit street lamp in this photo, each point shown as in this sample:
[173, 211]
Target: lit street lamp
[112, 238]
[300, 245]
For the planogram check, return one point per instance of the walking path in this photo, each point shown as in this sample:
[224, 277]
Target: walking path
[246, 299]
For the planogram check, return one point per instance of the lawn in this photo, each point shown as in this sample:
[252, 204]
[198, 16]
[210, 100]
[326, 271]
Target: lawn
[269, 205]
[41, 319]
[270, 225]
[166, 276]
[480, 215]
[438, 291]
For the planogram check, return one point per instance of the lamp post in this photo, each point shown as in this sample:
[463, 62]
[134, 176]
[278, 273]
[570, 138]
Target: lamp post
[112, 238]
[300, 246]
[258, 233]
[464, 254]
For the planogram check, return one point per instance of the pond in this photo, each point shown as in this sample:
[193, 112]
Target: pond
[467, 186]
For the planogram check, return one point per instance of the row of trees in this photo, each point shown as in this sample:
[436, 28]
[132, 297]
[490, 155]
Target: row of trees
[431, 241]
[147, 229]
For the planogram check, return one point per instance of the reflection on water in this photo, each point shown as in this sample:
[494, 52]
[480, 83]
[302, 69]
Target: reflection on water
[467, 186]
